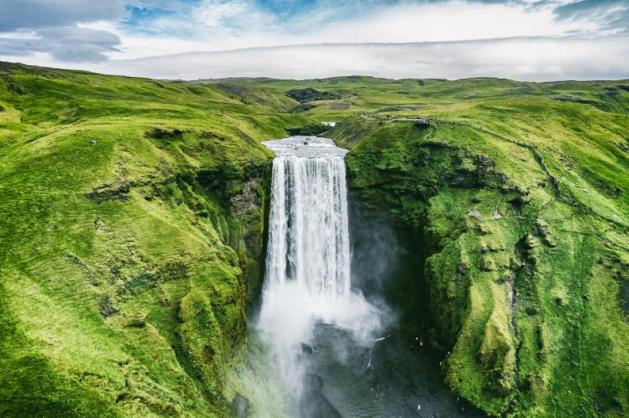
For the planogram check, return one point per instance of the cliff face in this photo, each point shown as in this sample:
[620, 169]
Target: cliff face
[131, 243]
[526, 249]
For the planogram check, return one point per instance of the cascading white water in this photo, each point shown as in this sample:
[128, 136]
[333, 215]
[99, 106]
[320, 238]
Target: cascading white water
[307, 278]
[308, 226]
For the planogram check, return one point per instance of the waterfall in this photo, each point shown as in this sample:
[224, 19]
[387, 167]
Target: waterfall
[307, 280]
[325, 350]
[308, 225]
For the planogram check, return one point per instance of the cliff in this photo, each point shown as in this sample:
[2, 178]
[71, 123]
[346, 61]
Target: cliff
[521, 207]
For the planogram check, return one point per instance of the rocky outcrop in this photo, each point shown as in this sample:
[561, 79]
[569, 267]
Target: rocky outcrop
[310, 94]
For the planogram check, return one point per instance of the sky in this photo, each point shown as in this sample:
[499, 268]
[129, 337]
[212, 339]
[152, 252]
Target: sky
[535, 40]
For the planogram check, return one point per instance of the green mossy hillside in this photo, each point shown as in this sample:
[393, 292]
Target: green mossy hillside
[522, 202]
[131, 220]
[132, 217]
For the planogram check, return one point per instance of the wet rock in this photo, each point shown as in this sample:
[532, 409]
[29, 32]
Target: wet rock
[307, 349]
[483, 166]
[423, 122]
[313, 382]
[240, 406]
[314, 404]
[465, 178]
[246, 201]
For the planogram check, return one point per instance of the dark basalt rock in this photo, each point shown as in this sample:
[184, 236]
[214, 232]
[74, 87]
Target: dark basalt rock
[309, 94]
[307, 349]
[304, 107]
[308, 130]
[159, 133]
[314, 404]
[423, 122]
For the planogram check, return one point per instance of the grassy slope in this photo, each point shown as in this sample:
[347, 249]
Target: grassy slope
[129, 209]
[147, 197]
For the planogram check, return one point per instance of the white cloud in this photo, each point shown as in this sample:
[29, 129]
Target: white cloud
[543, 46]
[517, 58]
[31, 14]
[454, 21]
[68, 44]
[224, 25]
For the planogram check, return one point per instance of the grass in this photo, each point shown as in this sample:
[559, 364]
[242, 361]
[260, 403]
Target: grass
[132, 226]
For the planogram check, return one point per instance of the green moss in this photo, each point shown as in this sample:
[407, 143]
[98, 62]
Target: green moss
[513, 245]
[132, 211]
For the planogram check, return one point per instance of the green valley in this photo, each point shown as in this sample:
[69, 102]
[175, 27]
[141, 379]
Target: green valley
[133, 222]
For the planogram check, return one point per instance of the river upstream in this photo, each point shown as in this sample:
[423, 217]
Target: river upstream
[337, 345]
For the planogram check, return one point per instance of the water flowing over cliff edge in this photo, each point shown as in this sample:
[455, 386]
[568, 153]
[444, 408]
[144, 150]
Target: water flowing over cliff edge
[330, 343]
